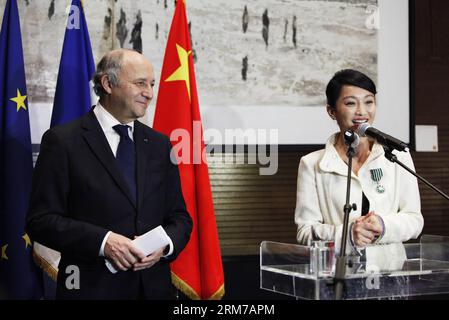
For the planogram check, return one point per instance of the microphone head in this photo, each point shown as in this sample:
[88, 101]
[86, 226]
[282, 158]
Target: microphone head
[356, 141]
[361, 129]
[351, 138]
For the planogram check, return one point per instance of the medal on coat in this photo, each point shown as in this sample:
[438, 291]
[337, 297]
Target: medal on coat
[376, 175]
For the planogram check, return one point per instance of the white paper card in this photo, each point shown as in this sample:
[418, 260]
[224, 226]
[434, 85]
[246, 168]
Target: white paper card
[147, 243]
[426, 138]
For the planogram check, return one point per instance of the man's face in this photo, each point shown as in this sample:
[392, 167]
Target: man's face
[135, 89]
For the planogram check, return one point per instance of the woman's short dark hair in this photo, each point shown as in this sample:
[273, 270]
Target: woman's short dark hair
[347, 77]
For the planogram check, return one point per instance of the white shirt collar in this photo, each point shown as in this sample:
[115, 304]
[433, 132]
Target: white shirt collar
[331, 161]
[107, 120]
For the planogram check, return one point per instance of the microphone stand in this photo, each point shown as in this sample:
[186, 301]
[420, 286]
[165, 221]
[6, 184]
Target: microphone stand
[340, 267]
[393, 158]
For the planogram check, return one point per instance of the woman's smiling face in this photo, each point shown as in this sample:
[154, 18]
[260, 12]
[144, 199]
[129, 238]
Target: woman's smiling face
[354, 107]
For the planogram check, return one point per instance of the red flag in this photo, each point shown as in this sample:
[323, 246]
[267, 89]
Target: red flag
[198, 270]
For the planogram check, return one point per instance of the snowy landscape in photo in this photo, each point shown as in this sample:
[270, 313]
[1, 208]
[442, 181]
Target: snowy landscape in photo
[284, 69]
[249, 54]
[305, 43]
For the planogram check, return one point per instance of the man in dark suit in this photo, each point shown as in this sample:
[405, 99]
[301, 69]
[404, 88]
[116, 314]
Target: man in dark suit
[104, 179]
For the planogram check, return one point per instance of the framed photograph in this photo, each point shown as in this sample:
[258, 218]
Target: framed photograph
[262, 66]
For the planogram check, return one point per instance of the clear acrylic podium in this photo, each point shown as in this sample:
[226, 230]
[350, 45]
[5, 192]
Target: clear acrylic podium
[382, 271]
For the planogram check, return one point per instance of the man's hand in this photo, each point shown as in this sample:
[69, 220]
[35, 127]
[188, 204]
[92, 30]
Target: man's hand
[121, 252]
[149, 261]
[365, 229]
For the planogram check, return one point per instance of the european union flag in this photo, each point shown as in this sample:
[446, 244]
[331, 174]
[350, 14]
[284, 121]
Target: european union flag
[18, 274]
[73, 91]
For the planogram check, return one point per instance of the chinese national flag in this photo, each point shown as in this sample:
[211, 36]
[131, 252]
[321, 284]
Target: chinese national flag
[198, 270]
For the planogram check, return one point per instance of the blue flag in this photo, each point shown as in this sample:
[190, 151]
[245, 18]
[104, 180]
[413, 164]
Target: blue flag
[72, 100]
[72, 96]
[18, 274]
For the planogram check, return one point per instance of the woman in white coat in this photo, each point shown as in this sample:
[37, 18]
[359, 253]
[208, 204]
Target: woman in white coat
[387, 197]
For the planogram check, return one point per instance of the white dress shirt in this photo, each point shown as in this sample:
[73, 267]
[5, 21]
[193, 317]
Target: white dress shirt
[322, 188]
[107, 122]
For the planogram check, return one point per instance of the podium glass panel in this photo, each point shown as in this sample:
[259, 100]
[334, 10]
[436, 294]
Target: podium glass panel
[379, 272]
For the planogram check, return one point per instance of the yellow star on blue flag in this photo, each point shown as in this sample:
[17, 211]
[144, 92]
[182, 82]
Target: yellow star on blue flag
[27, 240]
[3, 252]
[19, 100]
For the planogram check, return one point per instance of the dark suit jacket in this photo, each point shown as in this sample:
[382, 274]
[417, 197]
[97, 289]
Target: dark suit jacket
[79, 194]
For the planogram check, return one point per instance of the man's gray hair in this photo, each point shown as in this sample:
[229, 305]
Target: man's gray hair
[110, 65]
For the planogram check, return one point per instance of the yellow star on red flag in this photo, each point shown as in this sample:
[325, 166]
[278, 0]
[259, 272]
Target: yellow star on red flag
[182, 73]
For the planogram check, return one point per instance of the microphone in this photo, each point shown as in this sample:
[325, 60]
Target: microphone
[384, 139]
[352, 139]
